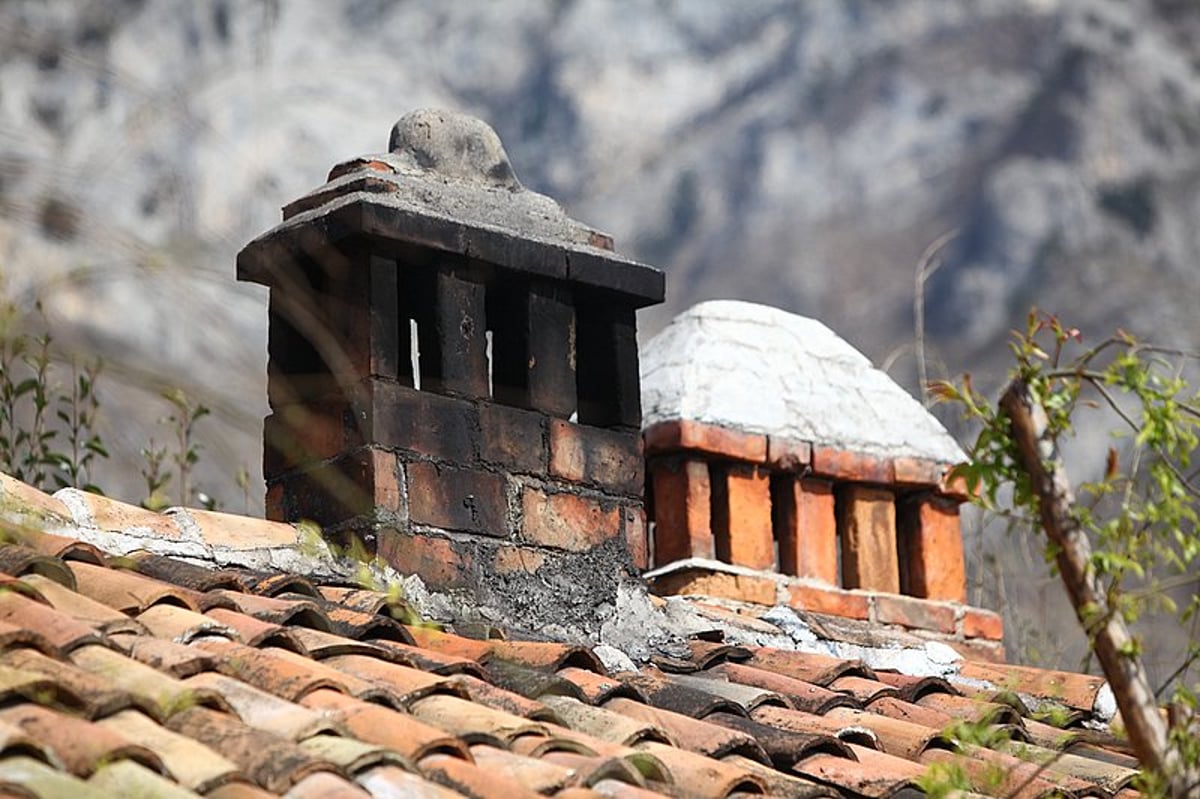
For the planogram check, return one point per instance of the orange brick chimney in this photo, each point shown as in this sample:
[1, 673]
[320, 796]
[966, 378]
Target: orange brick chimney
[784, 468]
[453, 372]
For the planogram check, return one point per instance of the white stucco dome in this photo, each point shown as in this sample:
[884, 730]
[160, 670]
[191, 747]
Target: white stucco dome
[758, 369]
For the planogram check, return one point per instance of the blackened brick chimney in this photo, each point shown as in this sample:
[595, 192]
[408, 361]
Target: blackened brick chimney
[453, 373]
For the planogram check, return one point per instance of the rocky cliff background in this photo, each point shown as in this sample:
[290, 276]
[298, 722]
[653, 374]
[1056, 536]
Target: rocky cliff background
[802, 154]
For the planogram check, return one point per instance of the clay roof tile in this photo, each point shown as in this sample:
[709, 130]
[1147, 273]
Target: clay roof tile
[17, 560]
[269, 760]
[129, 592]
[60, 631]
[802, 695]
[79, 745]
[256, 632]
[374, 723]
[303, 612]
[192, 764]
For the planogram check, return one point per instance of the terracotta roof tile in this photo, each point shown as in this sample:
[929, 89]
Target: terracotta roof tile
[192, 764]
[813, 668]
[270, 760]
[256, 632]
[301, 611]
[703, 776]
[148, 673]
[871, 774]
[177, 660]
[83, 692]
[665, 692]
[188, 575]
[390, 782]
[470, 780]
[18, 561]
[59, 630]
[126, 778]
[60, 546]
[35, 778]
[130, 592]
[79, 745]
[404, 734]
[598, 688]
[160, 695]
[325, 785]
[74, 604]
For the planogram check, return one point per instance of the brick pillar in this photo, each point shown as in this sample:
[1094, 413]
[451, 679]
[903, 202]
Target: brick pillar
[807, 523]
[931, 548]
[867, 524]
[742, 529]
[682, 510]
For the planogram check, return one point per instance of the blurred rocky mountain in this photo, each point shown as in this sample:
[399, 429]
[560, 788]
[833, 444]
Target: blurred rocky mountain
[798, 153]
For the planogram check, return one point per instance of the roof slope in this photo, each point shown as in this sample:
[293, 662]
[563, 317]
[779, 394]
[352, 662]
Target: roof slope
[148, 674]
[795, 378]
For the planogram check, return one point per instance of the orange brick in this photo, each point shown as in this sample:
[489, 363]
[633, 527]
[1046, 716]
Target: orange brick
[436, 560]
[788, 454]
[567, 521]
[742, 517]
[678, 435]
[513, 560]
[607, 458]
[842, 464]
[921, 614]
[635, 537]
[867, 525]
[830, 601]
[979, 623]
[918, 471]
[807, 523]
[978, 649]
[740, 587]
[931, 548]
[682, 497]
[385, 473]
[296, 435]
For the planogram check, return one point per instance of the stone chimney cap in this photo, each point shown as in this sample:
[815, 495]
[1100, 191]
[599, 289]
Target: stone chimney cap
[759, 369]
[446, 184]
[451, 145]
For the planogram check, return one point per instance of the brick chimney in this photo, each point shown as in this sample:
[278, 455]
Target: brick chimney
[786, 469]
[453, 372]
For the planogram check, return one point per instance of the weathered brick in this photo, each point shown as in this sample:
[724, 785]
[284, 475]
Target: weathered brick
[518, 560]
[607, 458]
[512, 438]
[298, 435]
[979, 623]
[567, 521]
[918, 471]
[867, 526]
[682, 496]
[457, 499]
[788, 454]
[385, 476]
[742, 529]
[922, 614]
[931, 548]
[978, 649]
[329, 493]
[830, 601]
[807, 523]
[423, 422]
[760, 590]
[635, 536]
[841, 464]
[437, 560]
[683, 434]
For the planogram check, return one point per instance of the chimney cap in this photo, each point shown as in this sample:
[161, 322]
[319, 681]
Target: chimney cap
[446, 184]
[762, 370]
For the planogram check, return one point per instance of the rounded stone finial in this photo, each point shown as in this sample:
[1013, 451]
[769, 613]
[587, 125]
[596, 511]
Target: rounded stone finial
[453, 145]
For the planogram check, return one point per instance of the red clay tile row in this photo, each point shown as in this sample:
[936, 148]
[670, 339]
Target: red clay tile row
[957, 623]
[142, 674]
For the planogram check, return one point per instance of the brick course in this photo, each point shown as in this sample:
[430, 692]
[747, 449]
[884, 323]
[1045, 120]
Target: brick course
[609, 459]
[457, 499]
[567, 521]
